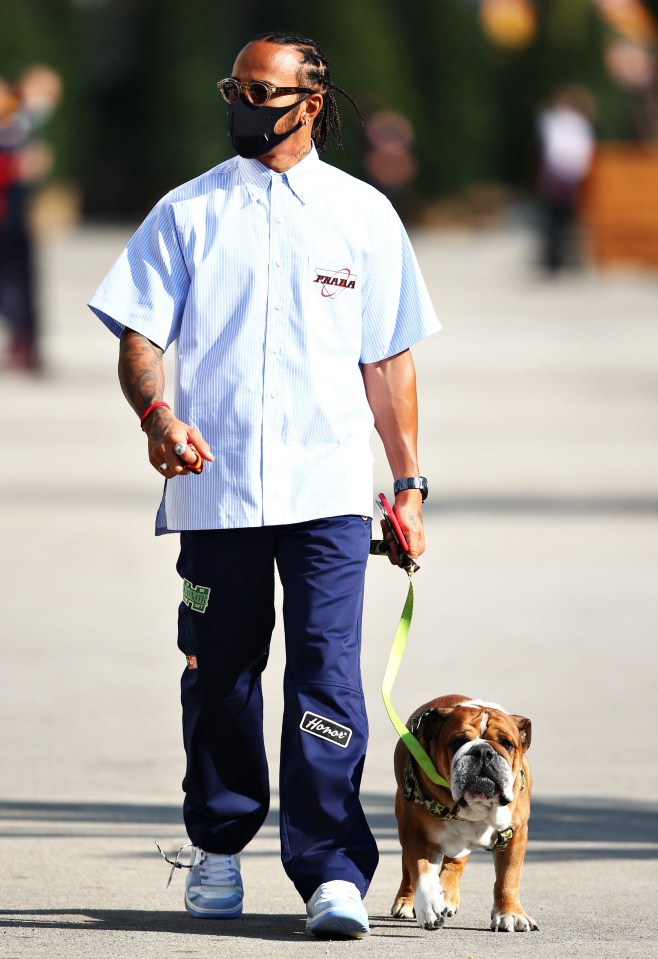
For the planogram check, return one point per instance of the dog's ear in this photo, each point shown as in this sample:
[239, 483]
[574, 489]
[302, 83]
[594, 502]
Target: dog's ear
[525, 728]
[431, 727]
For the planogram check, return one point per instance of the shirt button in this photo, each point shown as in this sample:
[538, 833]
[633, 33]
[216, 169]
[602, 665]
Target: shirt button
[277, 306]
[278, 262]
[272, 395]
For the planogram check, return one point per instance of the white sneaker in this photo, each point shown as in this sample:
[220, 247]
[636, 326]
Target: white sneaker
[213, 887]
[336, 909]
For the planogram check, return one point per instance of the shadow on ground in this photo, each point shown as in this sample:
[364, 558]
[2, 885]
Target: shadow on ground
[591, 828]
[264, 926]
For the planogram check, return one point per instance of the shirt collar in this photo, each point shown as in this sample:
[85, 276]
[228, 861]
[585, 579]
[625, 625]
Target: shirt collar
[257, 177]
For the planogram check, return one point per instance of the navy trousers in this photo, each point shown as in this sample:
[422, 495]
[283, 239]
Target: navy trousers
[225, 627]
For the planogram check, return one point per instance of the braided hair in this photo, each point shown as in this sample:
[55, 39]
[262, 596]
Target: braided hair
[314, 72]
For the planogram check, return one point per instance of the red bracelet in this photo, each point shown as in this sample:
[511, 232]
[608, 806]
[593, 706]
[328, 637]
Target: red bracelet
[152, 407]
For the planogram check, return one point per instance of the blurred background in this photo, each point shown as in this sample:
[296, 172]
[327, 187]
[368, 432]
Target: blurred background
[461, 83]
[475, 109]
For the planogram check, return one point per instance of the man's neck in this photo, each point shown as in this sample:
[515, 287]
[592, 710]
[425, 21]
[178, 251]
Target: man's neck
[279, 162]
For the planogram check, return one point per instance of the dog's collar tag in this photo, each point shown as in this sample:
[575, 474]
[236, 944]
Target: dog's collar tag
[505, 837]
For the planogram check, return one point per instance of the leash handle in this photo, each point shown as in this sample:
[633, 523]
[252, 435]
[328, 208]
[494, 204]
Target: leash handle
[406, 562]
[390, 673]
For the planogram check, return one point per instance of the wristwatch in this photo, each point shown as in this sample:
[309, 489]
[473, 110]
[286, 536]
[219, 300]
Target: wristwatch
[412, 482]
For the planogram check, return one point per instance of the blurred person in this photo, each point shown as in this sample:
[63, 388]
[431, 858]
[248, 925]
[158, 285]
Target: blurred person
[293, 295]
[24, 162]
[389, 162]
[566, 143]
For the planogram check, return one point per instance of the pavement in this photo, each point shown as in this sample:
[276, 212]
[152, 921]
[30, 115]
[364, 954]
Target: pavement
[538, 590]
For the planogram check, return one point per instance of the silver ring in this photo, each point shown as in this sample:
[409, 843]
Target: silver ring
[180, 448]
[164, 467]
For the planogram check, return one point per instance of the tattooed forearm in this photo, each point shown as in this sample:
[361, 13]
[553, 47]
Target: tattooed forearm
[141, 372]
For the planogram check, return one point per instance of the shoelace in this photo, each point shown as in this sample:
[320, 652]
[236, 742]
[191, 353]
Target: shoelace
[338, 889]
[217, 869]
[174, 863]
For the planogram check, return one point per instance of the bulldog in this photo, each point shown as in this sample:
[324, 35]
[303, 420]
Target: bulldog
[480, 749]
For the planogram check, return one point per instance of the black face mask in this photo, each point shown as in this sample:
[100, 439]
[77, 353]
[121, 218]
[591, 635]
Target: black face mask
[251, 128]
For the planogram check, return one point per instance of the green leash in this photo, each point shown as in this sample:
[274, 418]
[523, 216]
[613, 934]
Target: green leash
[390, 673]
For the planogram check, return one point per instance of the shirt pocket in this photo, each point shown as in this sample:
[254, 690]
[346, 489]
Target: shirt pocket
[333, 294]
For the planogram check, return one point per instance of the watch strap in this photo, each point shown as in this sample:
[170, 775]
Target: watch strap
[412, 482]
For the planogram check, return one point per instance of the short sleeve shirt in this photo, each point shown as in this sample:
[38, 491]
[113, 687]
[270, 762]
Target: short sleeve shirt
[275, 289]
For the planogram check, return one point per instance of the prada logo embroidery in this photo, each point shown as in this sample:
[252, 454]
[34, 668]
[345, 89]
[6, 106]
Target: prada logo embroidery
[325, 728]
[333, 282]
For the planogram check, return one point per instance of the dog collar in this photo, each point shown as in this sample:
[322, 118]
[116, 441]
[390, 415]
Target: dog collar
[414, 792]
[503, 840]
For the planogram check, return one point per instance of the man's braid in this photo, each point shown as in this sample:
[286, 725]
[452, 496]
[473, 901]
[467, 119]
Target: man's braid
[314, 72]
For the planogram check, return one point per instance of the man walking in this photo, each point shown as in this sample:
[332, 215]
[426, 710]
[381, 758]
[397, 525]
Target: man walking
[292, 295]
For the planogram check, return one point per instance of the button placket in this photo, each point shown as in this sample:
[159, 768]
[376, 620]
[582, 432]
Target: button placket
[273, 397]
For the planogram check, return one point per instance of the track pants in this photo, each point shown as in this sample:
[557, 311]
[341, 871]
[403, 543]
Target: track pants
[225, 627]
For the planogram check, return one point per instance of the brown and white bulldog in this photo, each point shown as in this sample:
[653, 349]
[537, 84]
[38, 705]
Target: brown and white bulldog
[480, 749]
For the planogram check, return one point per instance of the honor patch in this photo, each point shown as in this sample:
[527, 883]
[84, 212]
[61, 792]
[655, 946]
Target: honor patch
[325, 728]
[196, 597]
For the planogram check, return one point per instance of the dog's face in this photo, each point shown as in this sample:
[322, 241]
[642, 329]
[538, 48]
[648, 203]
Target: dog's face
[479, 747]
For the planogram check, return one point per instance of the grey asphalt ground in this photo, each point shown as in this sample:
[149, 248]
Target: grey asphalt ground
[538, 590]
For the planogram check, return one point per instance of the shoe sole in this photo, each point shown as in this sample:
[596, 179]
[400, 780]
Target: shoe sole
[337, 924]
[233, 913]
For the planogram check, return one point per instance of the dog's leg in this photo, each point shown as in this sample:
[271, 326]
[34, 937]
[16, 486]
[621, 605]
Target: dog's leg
[429, 903]
[507, 914]
[420, 892]
[449, 877]
[403, 906]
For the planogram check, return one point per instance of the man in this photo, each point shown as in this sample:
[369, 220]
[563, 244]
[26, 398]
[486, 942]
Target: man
[293, 296]
[567, 144]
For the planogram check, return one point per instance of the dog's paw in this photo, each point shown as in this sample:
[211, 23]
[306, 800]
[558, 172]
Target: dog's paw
[403, 908]
[429, 903]
[512, 922]
[450, 909]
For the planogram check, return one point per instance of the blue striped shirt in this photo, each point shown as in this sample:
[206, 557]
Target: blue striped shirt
[274, 289]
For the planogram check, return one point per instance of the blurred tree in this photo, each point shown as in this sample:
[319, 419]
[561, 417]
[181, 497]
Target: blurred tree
[454, 104]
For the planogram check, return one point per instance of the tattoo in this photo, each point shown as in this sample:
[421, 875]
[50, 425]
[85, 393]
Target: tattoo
[411, 520]
[302, 152]
[141, 373]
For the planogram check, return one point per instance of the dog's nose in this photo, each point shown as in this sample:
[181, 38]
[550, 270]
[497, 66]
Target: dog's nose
[483, 751]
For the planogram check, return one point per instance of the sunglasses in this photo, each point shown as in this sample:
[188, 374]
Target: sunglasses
[257, 92]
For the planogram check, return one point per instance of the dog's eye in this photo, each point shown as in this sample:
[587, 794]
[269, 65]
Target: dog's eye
[458, 742]
[506, 744]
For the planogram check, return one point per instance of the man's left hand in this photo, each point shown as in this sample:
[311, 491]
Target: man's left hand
[408, 508]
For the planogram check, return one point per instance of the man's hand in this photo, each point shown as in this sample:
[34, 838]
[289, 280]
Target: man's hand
[409, 512]
[164, 432]
[141, 375]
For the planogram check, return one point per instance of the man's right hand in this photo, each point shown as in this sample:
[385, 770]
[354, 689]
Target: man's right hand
[164, 431]
[141, 375]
